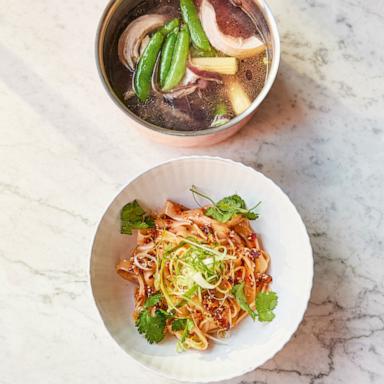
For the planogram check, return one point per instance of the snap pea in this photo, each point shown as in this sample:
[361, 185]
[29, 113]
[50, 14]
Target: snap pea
[197, 52]
[191, 18]
[179, 60]
[166, 54]
[142, 79]
[170, 26]
[143, 74]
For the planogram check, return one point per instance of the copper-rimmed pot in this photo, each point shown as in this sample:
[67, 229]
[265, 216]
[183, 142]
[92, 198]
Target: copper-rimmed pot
[116, 10]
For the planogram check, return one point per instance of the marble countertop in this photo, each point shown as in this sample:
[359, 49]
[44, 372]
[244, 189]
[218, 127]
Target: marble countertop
[66, 149]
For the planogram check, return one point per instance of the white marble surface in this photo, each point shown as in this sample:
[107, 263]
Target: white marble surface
[66, 150]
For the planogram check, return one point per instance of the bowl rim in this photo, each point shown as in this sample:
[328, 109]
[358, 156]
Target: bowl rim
[305, 302]
[275, 40]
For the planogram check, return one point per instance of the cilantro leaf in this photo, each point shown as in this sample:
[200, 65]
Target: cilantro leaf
[132, 216]
[266, 316]
[231, 203]
[238, 292]
[226, 208]
[265, 303]
[251, 215]
[179, 324]
[132, 211]
[188, 325]
[149, 221]
[188, 328]
[168, 315]
[152, 327]
[153, 300]
[218, 215]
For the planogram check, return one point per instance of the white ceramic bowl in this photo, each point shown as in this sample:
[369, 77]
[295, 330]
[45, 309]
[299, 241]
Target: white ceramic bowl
[283, 234]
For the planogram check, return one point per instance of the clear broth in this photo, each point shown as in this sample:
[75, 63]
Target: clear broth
[197, 110]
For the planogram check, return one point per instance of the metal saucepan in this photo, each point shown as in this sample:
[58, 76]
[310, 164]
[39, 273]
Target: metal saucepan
[116, 11]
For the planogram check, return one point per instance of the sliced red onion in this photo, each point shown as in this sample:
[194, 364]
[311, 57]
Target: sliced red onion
[200, 73]
[193, 80]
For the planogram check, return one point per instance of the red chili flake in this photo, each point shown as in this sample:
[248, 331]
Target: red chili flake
[209, 302]
[220, 320]
[248, 280]
[206, 229]
[198, 316]
[254, 254]
[262, 279]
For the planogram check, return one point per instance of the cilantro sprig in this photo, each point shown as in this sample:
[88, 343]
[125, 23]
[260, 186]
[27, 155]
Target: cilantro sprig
[228, 207]
[152, 327]
[265, 303]
[153, 300]
[132, 216]
[182, 324]
[238, 292]
[179, 324]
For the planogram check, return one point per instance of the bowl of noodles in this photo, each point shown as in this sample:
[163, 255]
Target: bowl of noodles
[201, 269]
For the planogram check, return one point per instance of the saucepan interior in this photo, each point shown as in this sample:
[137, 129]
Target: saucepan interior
[111, 26]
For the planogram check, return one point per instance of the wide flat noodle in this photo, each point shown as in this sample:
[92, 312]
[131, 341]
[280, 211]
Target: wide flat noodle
[184, 239]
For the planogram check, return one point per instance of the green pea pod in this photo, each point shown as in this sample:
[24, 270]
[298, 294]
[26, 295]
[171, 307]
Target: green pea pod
[170, 26]
[166, 55]
[191, 18]
[143, 74]
[197, 52]
[179, 60]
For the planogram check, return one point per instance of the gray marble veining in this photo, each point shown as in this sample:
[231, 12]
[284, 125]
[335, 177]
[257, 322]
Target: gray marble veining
[65, 150]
